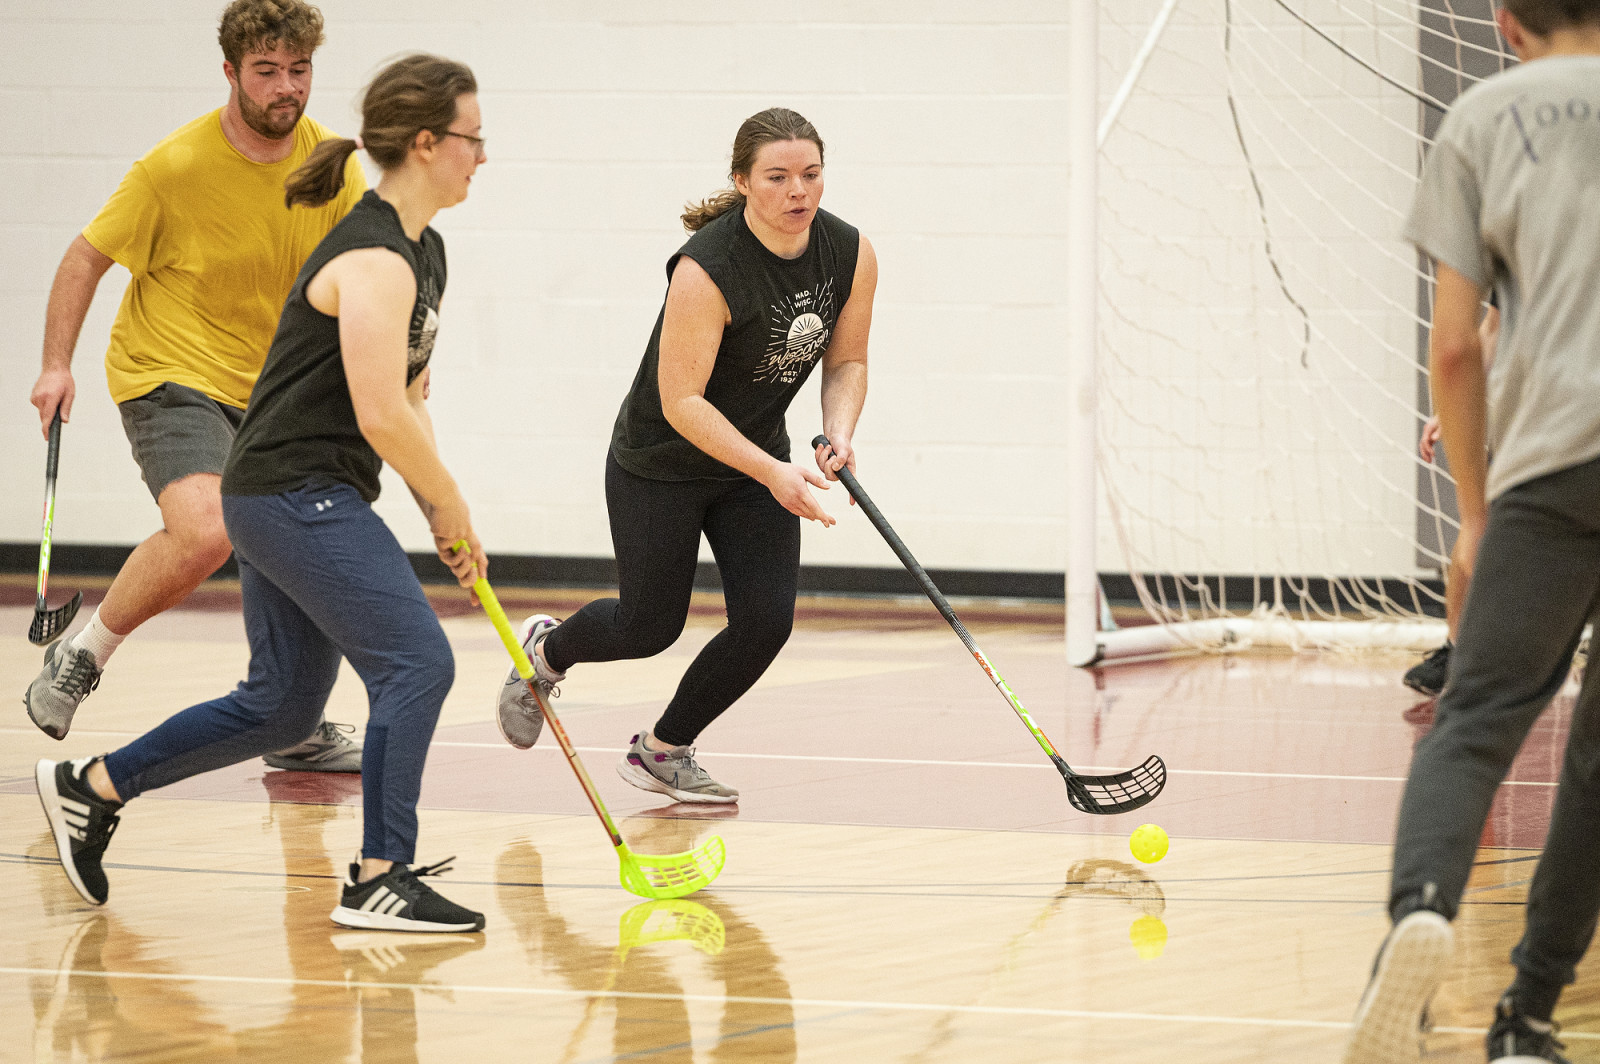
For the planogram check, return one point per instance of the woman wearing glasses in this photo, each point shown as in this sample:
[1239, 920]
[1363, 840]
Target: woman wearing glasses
[321, 575]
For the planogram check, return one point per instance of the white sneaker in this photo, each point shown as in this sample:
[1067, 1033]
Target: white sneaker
[517, 708]
[1411, 965]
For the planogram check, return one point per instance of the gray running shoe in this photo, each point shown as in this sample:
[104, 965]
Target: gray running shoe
[517, 710]
[54, 696]
[326, 751]
[673, 773]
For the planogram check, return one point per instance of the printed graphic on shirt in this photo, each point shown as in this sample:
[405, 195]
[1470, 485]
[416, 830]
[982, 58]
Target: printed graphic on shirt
[799, 328]
[424, 328]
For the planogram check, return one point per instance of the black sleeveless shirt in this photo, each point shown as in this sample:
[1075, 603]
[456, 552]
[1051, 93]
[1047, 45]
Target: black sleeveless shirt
[300, 428]
[783, 312]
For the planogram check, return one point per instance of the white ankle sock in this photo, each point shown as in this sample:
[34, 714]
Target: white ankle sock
[98, 640]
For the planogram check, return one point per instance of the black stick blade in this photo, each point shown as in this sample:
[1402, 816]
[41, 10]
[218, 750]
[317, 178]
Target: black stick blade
[1119, 793]
[48, 625]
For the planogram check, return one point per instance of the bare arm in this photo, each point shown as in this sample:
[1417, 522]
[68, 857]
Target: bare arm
[371, 292]
[70, 296]
[1458, 381]
[844, 367]
[1488, 340]
[691, 332]
[416, 396]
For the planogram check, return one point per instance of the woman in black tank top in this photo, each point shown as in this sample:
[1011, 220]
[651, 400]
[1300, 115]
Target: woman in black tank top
[321, 576]
[768, 287]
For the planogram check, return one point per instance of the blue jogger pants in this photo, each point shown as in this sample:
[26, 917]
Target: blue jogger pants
[321, 576]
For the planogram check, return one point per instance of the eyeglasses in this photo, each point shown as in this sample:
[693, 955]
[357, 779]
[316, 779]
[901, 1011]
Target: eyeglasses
[480, 143]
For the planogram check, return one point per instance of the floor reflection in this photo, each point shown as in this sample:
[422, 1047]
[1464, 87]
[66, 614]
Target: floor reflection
[1090, 878]
[1101, 877]
[639, 980]
[79, 1014]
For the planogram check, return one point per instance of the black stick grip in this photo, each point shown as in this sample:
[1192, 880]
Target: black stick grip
[54, 454]
[914, 567]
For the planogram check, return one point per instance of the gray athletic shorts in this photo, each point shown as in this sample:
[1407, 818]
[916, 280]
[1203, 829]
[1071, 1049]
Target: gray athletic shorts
[177, 432]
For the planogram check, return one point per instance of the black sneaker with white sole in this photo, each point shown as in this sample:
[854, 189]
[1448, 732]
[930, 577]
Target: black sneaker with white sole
[1519, 1039]
[1428, 676]
[81, 821]
[400, 901]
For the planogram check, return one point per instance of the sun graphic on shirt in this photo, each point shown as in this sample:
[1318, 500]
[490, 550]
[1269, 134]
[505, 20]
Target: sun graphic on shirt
[799, 328]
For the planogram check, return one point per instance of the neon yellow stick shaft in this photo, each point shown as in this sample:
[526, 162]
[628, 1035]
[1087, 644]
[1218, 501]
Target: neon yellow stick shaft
[502, 626]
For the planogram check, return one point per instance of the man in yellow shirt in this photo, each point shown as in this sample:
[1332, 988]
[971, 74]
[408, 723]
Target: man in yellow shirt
[201, 224]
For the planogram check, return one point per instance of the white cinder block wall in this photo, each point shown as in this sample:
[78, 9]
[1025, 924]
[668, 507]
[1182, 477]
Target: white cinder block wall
[945, 122]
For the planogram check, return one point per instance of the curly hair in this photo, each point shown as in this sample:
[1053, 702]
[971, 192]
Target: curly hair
[1544, 17]
[261, 25]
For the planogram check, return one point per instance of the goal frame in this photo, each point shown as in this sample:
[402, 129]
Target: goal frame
[1088, 640]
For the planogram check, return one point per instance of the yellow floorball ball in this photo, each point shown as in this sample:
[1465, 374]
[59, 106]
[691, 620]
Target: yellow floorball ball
[1148, 843]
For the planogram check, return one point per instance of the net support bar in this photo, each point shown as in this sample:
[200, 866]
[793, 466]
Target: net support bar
[1223, 633]
[1129, 80]
[1083, 194]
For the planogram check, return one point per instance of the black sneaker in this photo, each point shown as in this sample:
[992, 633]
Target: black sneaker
[399, 901]
[1518, 1038]
[81, 821]
[1428, 675]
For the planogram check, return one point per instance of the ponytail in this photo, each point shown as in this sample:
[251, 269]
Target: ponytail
[321, 176]
[411, 94]
[697, 215]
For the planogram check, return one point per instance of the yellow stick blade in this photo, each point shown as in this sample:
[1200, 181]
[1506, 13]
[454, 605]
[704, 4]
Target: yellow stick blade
[675, 874]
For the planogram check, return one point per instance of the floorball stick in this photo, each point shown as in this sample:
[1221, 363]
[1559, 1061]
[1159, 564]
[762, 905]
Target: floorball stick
[670, 876]
[48, 624]
[1119, 792]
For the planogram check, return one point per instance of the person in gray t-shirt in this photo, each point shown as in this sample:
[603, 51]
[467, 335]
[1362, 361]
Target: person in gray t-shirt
[1506, 203]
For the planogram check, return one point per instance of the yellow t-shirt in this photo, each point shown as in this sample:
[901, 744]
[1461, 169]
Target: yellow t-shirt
[213, 252]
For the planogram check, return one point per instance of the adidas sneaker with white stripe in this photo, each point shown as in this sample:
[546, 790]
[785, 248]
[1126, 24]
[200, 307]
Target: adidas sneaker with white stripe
[399, 901]
[81, 821]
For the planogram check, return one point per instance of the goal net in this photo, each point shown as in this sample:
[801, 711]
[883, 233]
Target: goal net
[1261, 365]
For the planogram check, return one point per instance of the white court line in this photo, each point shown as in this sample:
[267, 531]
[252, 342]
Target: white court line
[812, 1003]
[552, 748]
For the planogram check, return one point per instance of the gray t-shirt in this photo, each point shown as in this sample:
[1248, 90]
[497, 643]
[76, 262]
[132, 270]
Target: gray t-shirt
[1510, 198]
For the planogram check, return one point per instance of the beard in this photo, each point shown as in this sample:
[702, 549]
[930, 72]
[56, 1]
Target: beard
[274, 123]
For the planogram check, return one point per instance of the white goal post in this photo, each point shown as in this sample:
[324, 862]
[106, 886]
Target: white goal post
[1247, 335]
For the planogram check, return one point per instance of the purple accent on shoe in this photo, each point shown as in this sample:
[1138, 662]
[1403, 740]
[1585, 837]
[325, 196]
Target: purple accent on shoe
[660, 758]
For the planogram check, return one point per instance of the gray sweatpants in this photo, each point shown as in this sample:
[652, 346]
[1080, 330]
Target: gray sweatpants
[1536, 583]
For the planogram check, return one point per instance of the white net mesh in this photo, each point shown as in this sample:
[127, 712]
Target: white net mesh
[1261, 320]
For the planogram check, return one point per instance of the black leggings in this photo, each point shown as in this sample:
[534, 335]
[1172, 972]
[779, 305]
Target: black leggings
[655, 530]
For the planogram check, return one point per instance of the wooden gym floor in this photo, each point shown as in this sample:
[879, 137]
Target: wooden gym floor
[905, 879]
